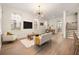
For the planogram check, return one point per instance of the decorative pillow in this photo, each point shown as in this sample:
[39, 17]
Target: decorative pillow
[8, 33]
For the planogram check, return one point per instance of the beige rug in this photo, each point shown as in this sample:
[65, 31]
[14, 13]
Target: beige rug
[27, 43]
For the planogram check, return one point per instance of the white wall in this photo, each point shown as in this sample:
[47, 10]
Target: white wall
[41, 29]
[26, 16]
[0, 25]
[71, 18]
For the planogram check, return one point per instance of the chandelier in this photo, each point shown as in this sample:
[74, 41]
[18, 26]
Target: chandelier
[39, 13]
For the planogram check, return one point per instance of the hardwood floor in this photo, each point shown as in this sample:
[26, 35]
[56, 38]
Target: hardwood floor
[56, 46]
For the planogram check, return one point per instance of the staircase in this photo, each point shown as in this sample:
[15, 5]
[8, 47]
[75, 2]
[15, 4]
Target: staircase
[69, 33]
[70, 28]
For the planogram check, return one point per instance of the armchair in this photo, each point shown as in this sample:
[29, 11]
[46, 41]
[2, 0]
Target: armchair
[8, 37]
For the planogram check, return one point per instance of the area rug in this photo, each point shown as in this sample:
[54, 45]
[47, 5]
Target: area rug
[27, 43]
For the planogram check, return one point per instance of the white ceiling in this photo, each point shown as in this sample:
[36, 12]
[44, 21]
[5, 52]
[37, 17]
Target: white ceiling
[53, 10]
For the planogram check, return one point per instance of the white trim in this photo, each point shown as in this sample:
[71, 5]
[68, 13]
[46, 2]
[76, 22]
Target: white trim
[64, 24]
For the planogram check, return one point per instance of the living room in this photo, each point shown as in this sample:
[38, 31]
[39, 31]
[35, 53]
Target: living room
[29, 28]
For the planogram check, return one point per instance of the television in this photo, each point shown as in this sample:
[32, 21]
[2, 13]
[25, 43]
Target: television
[27, 25]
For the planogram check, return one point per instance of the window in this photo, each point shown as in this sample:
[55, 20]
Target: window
[16, 21]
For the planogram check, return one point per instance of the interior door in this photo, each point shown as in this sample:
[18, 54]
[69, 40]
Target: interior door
[59, 26]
